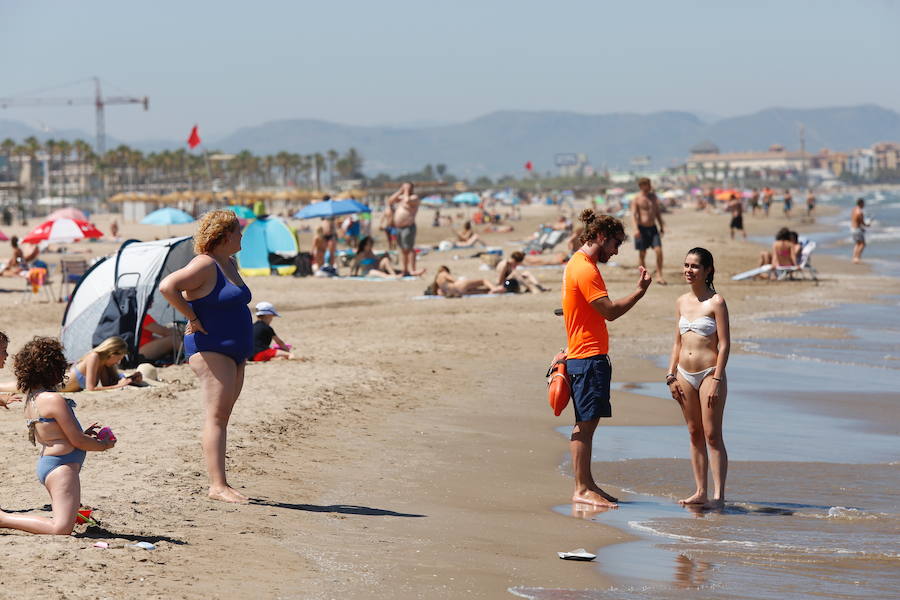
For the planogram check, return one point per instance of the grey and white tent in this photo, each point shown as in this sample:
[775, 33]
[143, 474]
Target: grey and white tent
[139, 265]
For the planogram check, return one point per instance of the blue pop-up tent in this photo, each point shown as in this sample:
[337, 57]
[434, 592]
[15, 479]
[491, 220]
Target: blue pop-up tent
[167, 216]
[469, 198]
[263, 237]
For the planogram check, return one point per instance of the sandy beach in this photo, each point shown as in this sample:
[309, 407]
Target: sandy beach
[413, 455]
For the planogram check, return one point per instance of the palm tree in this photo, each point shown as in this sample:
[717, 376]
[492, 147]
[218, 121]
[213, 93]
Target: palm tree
[31, 147]
[83, 154]
[318, 165]
[65, 149]
[332, 156]
[7, 147]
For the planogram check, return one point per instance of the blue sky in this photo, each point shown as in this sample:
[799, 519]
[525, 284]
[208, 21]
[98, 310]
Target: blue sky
[226, 64]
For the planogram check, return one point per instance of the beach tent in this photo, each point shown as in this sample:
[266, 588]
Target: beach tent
[262, 237]
[139, 265]
[241, 211]
[167, 216]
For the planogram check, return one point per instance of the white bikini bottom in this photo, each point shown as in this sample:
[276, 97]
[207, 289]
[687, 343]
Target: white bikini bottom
[695, 379]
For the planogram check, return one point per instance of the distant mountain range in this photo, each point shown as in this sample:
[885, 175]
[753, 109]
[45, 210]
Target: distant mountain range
[501, 142]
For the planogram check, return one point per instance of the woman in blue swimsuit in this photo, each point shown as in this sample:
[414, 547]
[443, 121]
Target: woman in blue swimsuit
[40, 367]
[367, 264]
[218, 340]
[696, 376]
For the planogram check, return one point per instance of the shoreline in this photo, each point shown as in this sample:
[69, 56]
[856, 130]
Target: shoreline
[405, 409]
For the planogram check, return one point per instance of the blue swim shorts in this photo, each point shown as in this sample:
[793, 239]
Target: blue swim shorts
[589, 379]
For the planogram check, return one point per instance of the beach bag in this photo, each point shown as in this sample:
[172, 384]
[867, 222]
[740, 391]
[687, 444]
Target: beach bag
[304, 265]
[558, 391]
[120, 319]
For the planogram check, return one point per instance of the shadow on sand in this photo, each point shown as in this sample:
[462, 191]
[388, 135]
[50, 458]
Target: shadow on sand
[344, 509]
[101, 533]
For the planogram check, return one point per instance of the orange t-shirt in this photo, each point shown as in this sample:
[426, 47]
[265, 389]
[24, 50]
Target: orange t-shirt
[585, 327]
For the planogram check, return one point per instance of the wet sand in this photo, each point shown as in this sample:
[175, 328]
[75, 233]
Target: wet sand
[413, 455]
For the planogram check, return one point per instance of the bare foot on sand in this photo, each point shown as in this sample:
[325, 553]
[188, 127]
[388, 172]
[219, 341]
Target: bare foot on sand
[697, 498]
[595, 499]
[228, 494]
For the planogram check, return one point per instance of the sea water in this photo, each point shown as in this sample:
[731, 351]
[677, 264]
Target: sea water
[813, 489]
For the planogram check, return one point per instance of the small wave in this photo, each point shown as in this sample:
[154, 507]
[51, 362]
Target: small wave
[842, 512]
[764, 546]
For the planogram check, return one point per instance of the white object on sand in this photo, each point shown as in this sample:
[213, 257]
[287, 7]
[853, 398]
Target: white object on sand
[579, 554]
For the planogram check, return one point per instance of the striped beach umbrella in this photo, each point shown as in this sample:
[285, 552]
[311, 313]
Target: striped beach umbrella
[62, 230]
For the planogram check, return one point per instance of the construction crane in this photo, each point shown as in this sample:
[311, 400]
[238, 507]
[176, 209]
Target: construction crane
[98, 101]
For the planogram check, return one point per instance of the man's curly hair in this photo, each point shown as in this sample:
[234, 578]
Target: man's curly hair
[40, 364]
[212, 229]
[595, 224]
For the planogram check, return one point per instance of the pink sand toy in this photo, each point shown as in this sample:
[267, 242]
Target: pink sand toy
[106, 434]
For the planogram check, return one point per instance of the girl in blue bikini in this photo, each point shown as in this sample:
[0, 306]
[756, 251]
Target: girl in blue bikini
[218, 340]
[40, 367]
[696, 376]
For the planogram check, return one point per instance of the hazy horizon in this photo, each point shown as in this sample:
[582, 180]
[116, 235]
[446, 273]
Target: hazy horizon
[224, 65]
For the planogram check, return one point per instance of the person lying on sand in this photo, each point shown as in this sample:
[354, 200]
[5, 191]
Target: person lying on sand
[97, 369]
[40, 368]
[508, 269]
[446, 285]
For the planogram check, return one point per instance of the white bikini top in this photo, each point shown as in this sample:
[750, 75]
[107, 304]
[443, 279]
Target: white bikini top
[705, 326]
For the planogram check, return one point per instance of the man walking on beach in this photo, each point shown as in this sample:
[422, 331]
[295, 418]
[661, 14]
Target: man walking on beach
[858, 229]
[736, 208]
[645, 214]
[405, 204]
[586, 309]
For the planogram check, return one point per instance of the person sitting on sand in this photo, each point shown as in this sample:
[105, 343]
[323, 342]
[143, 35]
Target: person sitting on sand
[40, 368]
[157, 340]
[508, 270]
[446, 285]
[466, 238]
[367, 264]
[696, 376]
[7, 396]
[263, 335]
[18, 261]
[97, 369]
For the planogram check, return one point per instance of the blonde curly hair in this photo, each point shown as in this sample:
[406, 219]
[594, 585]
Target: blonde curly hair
[212, 229]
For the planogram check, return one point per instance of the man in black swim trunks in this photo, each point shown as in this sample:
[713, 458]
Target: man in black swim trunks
[736, 208]
[645, 214]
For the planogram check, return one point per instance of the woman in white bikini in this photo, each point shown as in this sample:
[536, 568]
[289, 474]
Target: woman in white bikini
[696, 376]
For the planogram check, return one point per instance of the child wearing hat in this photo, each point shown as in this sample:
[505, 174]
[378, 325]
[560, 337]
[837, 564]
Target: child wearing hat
[263, 334]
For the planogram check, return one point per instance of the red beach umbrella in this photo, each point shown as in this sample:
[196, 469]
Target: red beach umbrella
[3, 237]
[62, 230]
[67, 213]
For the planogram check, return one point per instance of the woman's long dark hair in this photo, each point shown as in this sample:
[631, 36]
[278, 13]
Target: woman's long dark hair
[362, 245]
[706, 259]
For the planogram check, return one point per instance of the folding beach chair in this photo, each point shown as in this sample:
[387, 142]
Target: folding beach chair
[802, 270]
[71, 271]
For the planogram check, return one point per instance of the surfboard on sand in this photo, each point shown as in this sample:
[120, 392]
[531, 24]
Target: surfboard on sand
[752, 273]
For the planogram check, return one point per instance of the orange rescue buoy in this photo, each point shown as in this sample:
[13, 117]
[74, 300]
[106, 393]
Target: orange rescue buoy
[558, 384]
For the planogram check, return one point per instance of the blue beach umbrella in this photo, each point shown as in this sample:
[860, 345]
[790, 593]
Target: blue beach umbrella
[433, 201]
[167, 216]
[331, 208]
[242, 212]
[469, 198]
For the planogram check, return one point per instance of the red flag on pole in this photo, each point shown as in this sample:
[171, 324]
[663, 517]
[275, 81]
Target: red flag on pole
[529, 166]
[194, 139]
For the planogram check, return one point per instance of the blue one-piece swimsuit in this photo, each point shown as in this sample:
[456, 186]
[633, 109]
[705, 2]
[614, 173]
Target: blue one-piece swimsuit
[225, 316]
